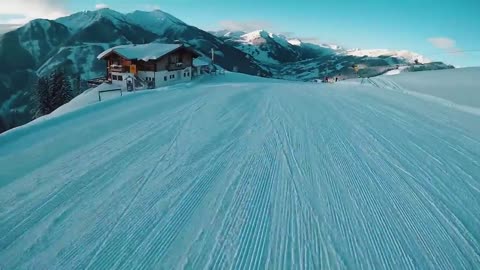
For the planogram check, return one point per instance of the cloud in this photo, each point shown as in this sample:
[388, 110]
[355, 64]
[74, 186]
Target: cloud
[442, 42]
[24, 11]
[246, 26]
[288, 34]
[100, 6]
[447, 44]
[4, 28]
[151, 7]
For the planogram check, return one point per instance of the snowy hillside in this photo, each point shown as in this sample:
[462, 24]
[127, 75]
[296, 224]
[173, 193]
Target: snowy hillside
[408, 56]
[454, 88]
[239, 172]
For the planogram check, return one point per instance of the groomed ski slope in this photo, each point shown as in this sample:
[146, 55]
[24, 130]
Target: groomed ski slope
[237, 172]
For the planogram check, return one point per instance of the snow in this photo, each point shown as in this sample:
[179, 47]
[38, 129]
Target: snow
[245, 173]
[454, 88]
[235, 34]
[88, 97]
[82, 20]
[28, 36]
[83, 56]
[279, 39]
[259, 37]
[156, 21]
[403, 54]
[393, 72]
[295, 42]
[255, 37]
[145, 52]
[257, 53]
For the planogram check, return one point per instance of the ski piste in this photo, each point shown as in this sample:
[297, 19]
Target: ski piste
[238, 172]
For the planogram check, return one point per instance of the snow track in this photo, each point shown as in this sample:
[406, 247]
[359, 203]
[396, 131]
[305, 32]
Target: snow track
[244, 175]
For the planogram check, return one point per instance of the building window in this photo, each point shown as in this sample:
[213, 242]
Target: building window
[165, 78]
[120, 78]
[114, 77]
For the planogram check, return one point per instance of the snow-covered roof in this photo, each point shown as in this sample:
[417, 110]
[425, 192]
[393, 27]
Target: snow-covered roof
[145, 52]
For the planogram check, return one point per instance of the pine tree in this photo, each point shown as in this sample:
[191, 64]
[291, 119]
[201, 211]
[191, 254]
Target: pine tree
[3, 124]
[52, 92]
[43, 97]
[60, 89]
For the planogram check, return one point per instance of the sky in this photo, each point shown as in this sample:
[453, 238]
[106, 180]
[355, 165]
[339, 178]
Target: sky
[444, 30]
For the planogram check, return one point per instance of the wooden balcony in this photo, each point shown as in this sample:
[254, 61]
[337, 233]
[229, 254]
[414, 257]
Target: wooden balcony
[175, 66]
[119, 69]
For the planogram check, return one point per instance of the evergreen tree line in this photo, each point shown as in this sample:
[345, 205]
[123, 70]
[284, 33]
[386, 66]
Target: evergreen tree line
[52, 91]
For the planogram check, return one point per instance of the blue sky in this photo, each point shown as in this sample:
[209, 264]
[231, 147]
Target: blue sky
[435, 28]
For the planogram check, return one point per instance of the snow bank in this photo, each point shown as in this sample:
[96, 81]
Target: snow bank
[460, 86]
[456, 88]
[88, 97]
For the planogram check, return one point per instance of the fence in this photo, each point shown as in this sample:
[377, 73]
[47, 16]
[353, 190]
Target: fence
[107, 93]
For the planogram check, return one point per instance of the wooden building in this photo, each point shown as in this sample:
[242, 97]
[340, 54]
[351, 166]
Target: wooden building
[148, 65]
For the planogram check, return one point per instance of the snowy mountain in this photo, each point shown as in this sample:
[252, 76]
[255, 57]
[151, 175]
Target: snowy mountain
[294, 59]
[228, 33]
[273, 49]
[242, 172]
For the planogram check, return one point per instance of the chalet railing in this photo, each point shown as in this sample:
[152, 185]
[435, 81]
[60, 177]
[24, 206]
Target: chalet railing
[120, 69]
[96, 81]
[175, 66]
